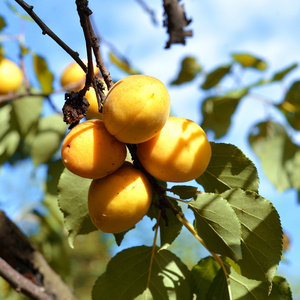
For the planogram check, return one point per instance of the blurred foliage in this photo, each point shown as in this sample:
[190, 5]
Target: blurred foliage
[230, 218]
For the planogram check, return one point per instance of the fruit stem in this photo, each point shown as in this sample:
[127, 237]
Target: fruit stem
[180, 216]
[153, 251]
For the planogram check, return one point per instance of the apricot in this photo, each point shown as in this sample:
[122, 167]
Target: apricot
[93, 111]
[88, 150]
[136, 108]
[11, 76]
[73, 77]
[179, 153]
[120, 200]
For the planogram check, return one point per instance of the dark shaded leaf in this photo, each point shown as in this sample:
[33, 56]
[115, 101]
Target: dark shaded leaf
[280, 158]
[184, 191]
[228, 168]
[214, 77]
[250, 61]
[45, 77]
[217, 224]
[218, 110]
[203, 275]
[280, 75]
[291, 105]
[129, 271]
[190, 68]
[72, 200]
[120, 236]
[2, 23]
[280, 284]
[261, 234]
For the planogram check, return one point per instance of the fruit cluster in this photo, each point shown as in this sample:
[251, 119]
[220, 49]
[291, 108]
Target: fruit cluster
[135, 111]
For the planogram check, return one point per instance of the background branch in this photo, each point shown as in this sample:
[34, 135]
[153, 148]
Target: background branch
[21, 262]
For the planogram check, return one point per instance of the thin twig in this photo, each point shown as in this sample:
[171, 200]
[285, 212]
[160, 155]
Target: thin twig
[21, 284]
[153, 250]
[149, 11]
[46, 30]
[180, 216]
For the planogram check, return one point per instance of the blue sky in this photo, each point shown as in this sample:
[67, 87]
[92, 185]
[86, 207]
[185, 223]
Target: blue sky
[269, 29]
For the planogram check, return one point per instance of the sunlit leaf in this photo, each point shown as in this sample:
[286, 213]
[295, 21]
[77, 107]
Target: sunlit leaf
[49, 134]
[122, 63]
[214, 77]
[2, 23]
[291, 105]
[280, 158]
[261, 234]
[247, 289]
[9, 135]
[217, 224]
[127, 275]
[228, 168]
[190, 68]
[218, 110]
[19, 15]
[184, 191]
[250, 61]
[280, 75]
[44, 76]
[72, 199]
[203, 275]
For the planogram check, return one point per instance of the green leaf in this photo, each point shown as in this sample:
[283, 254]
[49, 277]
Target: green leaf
[214, 77]
[45, 77]
[184, 191]
[280, 158]
[291, 105]
[72, 199]
[129, 271]
[190, 68]
[9, 135]
[250, 61]
[49, 134]
[217, 224]
[280, 284]
[261, 234]
[228, 168]
[122, 63]
[280, 75]
[203, 275]
[2, 23]
[219, 289]
[27, 112]
[218, 110]
[170, 230]
[247, 289]
[19, 15]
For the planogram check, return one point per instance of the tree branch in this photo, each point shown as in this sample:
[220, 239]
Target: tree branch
[48, 31]
[25, 268]
[175, 22]
[21, 284]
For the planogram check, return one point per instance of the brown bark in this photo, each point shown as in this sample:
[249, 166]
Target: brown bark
[25, 268]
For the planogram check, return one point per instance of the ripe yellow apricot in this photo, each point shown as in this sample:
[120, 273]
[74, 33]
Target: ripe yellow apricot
[120, 200]
[93, 112]
[136, 108]
[88, 150]
[179, 153]
[73, 77]
[11, 76]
